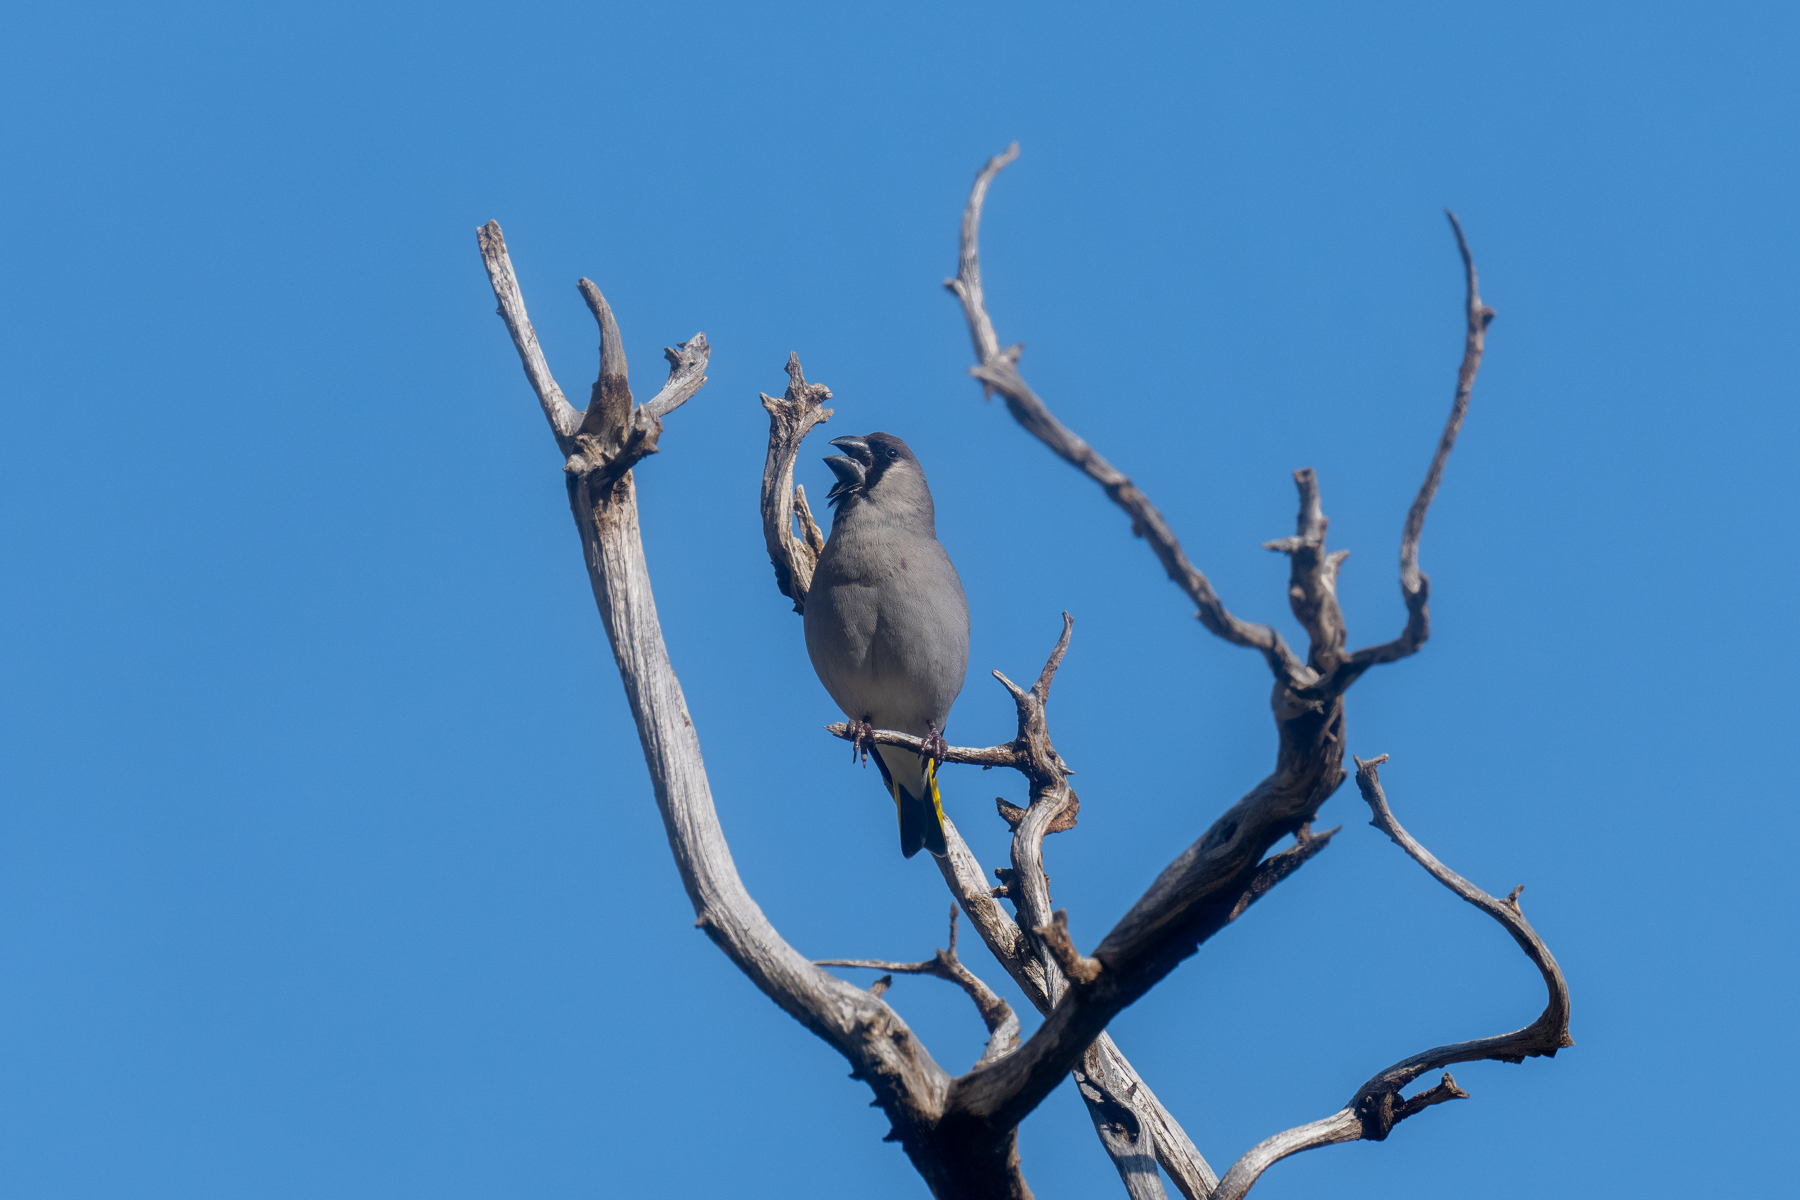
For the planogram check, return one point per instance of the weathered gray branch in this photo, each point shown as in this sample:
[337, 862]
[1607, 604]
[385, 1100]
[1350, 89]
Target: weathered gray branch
[614, 436]
[1036, 950]
[998, 371]
[1378, 1105]
[1002, 1023]
[1200, 891]
[563, 418]
[1105, 1068]
[1007, 755]
[791, 418]
[1415, 585]
[1312, 588]
[609, 403]
[908, 1085]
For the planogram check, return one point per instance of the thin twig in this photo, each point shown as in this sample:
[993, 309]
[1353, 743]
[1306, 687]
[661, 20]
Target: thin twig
[1278, 867]
[1007, 755]
[1002, 1023]
[1415, 585]
[1479, 317]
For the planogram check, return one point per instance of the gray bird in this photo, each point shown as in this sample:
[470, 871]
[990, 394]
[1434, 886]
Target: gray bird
[887, 624]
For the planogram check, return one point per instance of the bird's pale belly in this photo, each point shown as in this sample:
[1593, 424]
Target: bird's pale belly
[887, 661]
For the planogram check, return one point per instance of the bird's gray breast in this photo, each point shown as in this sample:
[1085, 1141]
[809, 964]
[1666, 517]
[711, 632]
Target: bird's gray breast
[887, 626]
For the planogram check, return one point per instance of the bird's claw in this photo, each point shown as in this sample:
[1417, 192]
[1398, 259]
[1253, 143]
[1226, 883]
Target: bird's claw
[862, 740]
[934, 745]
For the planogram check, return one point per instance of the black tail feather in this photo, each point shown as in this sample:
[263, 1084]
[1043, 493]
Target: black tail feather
[919, 825]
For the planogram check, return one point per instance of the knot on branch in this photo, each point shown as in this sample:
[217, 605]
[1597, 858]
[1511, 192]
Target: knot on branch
[1065, 820]
[1075, 965]
[601, 463]
[1381, 1111]
[613, 437]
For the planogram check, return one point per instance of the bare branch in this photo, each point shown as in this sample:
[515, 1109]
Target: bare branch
[1415, 585]
[997, 370]
[1104, 1070]
[1277, 867]
[908, 1084]
[1001, 934]
[1052, 803]
[563, 418]
[1040, 966]
[1341, 1126]
[1204, 888]
[1055, 935]
[1002, 1023]
[1044, 961]
[987, 756]
[1378, 1106]
[815, 539]
[1543, 1037]
[967, 284]
[1198, 894]
[687, 374]
[604, 451]
[1065, 820]
[1312, 579]
[609, 404]
[1480, 316]
[791, 418]
[1127, 1134]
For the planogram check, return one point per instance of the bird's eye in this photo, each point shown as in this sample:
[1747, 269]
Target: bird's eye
[892, 453]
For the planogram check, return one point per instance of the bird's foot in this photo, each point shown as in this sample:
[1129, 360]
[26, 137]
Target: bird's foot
[862, 740]
[934, 745]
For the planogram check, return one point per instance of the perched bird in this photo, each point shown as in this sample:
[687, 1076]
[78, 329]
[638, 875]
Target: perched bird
[887, 624]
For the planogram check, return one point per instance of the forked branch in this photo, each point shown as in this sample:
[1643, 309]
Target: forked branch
[1206, 887]
[1378, 1106]
[1036, 949]
[1002, 1023]
[1329, 669]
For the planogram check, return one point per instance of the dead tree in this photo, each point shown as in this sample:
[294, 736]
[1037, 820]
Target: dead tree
[961, 1131]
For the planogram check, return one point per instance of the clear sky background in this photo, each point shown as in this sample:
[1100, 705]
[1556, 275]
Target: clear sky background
[328, 862]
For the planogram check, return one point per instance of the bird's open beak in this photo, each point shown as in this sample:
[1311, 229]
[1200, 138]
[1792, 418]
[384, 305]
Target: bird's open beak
[856, 448]
[849, 473]
[851, 467]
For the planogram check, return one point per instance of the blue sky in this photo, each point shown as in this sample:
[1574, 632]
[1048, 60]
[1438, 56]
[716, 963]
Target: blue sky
[328, 864]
